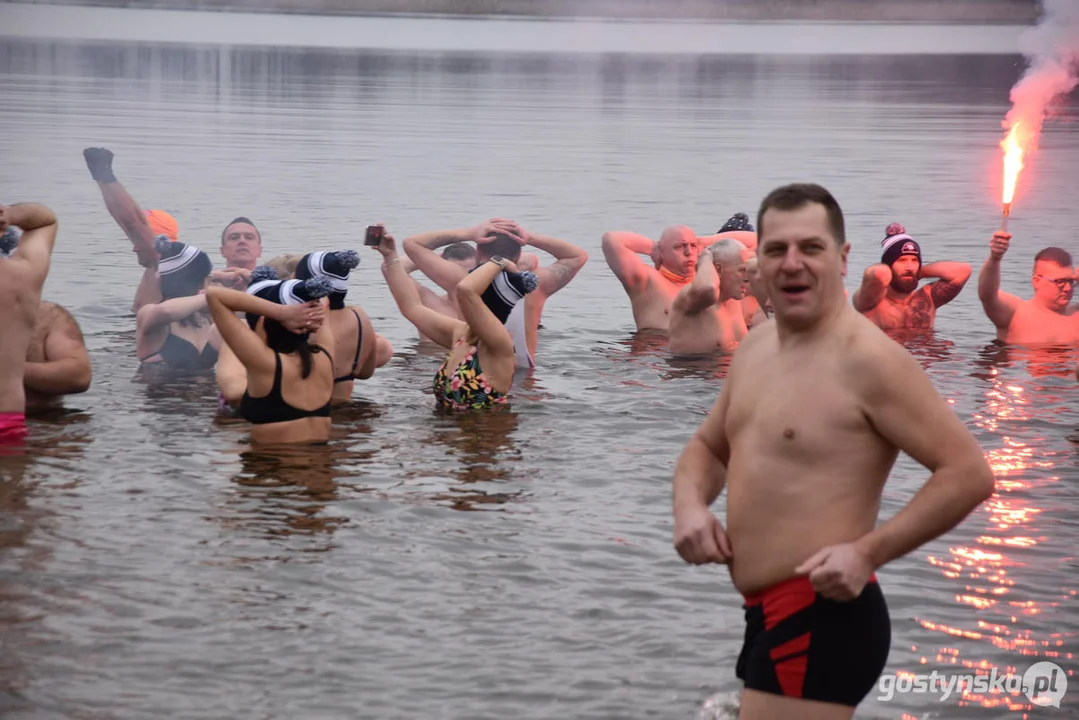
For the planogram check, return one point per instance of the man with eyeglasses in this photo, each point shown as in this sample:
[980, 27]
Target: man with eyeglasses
[1048, 318]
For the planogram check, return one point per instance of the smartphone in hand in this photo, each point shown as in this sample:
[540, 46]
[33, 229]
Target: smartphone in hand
[373, 238]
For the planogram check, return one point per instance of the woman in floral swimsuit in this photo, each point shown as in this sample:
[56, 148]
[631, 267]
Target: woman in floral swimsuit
[478, 371]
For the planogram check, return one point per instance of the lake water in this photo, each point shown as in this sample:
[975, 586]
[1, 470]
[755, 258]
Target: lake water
[515, 564]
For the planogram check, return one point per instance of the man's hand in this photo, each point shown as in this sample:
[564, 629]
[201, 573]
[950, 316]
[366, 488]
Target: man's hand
[699, 537]
[488, 231]
[5, 218]
[999, 244]
[838, 572]
[302, 318]
[99, 162]
[235, 278]
[387, 246]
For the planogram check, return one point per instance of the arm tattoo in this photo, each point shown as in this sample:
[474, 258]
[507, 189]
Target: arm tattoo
[943, 291]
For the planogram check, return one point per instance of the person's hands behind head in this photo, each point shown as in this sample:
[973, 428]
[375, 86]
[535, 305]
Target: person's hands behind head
[495, 227]
[304, 318]
[999, 244]
[5, 222]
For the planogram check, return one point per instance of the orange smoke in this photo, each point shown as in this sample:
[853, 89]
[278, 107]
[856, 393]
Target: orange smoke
[1013, 162]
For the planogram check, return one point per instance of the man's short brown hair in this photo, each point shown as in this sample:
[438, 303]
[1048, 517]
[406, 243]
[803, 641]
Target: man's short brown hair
[796, 195]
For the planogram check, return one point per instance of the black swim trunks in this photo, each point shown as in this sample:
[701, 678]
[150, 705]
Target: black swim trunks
[800, 644]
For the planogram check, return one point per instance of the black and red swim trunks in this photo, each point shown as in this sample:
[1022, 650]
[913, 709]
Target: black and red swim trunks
[800, 644]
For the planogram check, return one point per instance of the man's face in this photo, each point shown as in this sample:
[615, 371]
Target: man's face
[1054, 285]
[733, 279]
[801, 265]
[905, 274]
[678, 252]
[756, 283]
[241, 246]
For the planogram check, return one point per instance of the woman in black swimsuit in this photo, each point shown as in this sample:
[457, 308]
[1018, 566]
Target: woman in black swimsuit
[286, 349]
[177, 332]
[360, 350]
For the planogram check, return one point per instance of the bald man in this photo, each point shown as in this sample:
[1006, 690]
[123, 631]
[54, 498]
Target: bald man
[707, 314]
[652, 290]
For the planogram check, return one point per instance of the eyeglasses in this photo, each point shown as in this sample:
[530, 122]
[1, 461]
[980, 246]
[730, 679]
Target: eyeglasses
[1061, 283]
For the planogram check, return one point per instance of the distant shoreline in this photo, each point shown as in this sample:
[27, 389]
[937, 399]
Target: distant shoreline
[970, 12]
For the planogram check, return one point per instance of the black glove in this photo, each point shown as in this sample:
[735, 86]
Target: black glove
[99, 160]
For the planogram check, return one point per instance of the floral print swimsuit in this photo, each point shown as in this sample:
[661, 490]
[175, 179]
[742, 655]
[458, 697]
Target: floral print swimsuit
[465, 388]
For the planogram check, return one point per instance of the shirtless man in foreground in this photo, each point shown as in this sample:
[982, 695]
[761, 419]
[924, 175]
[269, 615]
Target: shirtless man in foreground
[707, 314]
[805, 431]
[21, 277]
[890, 296]
[1047, 318]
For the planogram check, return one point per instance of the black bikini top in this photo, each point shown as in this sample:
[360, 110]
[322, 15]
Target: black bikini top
[272, 408]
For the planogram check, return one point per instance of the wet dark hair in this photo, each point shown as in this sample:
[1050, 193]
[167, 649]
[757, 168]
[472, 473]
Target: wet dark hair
[279, 339]
[502, 245]
[1054, 255]
[459, 251]
[797, 195]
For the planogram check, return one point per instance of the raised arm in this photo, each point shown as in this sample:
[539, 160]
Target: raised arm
[875, 282]
[569, 259]
[431, 323]
[703, 292]
[123, 208]
[249, 348]
[952, 276]
[904, 407]
[66, 369]
[999, 306]
[33, 254]
[622, 251]
[421, 251]
[488, 328]
[151, 316]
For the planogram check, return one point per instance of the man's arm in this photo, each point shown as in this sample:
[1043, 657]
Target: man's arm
[701, 471]
[875, 281]
[905, 408]
[34, 251]
[421, 250]
[569, 261]
[999, 306]
[953, 277]
[66, 369]
[703, 292]
[123, 208]
[622, 251]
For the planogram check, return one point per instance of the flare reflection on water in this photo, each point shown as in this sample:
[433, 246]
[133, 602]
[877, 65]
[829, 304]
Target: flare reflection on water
[1006, 577]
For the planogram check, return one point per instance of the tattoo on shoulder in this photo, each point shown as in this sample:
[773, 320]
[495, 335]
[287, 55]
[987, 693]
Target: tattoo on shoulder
[943, 291]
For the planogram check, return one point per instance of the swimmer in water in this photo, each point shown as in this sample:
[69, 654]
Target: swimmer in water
[478, 371]
[57, 363]
[652, 290]
[22, 274]
[1049, 317]
[241, 244]
[759, 294]
[177, 333]
[463, 255]
[359, 349]
[286, 348]
[502, 238]
[707, 314]
[890, 296]
[815, 408]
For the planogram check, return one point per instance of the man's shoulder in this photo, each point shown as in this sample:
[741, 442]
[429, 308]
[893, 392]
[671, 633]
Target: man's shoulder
[870, 358]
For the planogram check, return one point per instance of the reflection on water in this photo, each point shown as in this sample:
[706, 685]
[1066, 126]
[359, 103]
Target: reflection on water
[1014, 600]
[142, 533]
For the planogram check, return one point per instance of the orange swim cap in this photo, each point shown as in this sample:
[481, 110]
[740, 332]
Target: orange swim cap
[163, 224]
